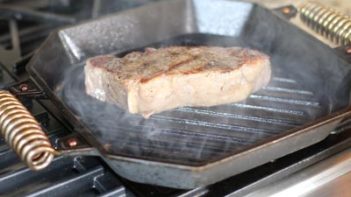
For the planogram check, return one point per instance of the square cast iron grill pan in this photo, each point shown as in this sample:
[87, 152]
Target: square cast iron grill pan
[189, 147]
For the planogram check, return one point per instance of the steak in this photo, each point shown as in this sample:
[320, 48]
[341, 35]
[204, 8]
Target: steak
[162, 79]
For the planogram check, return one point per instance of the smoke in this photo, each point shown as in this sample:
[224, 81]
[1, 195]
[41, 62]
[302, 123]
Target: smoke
[308, 82]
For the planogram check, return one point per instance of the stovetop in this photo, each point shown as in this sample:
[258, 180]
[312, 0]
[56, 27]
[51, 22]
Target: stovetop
[23, 27]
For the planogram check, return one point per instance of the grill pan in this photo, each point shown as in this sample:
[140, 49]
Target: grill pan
[308, 96]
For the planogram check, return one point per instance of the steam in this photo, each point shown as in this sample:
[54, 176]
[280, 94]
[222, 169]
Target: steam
[308, 82]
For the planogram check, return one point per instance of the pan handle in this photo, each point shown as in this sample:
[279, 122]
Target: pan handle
[328, 22]
[23, 133]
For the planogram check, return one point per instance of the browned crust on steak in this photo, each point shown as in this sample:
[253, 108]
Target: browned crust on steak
[101, 61]
[243, 56]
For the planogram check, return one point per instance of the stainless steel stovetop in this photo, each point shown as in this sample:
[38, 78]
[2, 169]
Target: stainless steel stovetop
[329, 177]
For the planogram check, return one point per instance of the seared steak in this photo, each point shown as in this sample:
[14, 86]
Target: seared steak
[161, 79]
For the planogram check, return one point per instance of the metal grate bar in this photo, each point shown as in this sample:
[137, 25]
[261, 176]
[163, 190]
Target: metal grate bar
[64, 187]
[284, 80]
[237, 116]
[187, 130]
[287, 90]
[283, 100]
[213, 124]
[269, 109]
[119, 192]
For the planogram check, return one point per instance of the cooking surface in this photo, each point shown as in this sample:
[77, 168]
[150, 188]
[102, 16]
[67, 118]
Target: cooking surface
[197, 135]
[210, 132]
[187, 135]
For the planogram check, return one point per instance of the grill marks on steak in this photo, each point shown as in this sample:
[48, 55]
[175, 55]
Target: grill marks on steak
[161, 79]
[175, 60]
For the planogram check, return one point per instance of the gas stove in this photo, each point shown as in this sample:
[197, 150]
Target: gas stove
[23, 27]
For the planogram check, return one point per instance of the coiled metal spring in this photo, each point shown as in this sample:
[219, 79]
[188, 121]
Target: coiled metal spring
[327, 22]
[23, 133]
